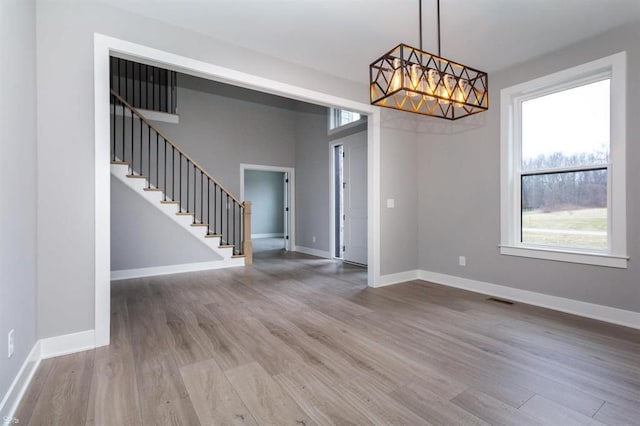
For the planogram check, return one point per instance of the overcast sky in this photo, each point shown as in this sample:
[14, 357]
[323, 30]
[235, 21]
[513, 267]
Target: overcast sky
[570, 122]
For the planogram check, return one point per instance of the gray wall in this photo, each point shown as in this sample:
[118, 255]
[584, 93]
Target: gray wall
[266, 191]
[18, 175]
[142, 236]
[459, 193]
[221, 127]
[312, 178]
[399, 181]
[66, 242]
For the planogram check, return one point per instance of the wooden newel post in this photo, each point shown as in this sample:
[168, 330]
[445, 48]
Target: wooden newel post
[247, 246]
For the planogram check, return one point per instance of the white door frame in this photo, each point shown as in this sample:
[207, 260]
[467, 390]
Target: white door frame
[104, 46]
[291, 242]
[332, 200]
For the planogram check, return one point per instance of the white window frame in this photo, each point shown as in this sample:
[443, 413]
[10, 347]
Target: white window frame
[335, 129]
[613, 67]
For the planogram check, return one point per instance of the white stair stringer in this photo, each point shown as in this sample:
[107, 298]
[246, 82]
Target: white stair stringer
[138, 185]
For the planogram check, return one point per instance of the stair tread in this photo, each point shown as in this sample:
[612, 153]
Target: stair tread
[213, 236]
[169, 202]
[199, 224]
[185, 213]
[153, 189]
[120, 163]
[136, 176]
[236, 256]
[226, 245]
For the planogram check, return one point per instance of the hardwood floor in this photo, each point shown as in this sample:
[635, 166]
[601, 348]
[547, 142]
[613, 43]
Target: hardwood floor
[299, 340]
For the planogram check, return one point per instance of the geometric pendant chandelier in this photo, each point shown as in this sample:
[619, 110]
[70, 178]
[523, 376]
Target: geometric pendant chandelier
[410, 79]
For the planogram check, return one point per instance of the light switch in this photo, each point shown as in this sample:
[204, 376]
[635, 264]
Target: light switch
[391, 203]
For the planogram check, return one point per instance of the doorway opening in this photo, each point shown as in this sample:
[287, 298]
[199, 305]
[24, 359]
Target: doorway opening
[338, 200]
[349, 200]
[270, 189]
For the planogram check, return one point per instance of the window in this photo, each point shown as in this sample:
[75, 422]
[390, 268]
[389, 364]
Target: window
[563, 165]
[341, 117]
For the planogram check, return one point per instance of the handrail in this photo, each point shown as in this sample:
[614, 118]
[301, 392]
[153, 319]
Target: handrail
[202, 170]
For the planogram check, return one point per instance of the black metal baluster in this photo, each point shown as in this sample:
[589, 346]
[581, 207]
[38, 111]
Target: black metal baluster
[173, 173]
[131, 159]
[157, 162]
[140, 169]
[123, 131]
[208, 206]
[221, 222]
[187, 185]
[126, 81]
[234, 227]
[215, 189]
[147, 94]
[149, 158]
[164, 167]
[201, 197]
[139, 104]
[227, 207]
[195, 187]
[180, 179]
[155, 81]
[113, 132]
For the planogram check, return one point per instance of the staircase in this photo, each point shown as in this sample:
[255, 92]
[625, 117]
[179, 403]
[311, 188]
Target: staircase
[150, 164]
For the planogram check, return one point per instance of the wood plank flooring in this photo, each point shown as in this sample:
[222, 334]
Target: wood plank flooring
[296, 340]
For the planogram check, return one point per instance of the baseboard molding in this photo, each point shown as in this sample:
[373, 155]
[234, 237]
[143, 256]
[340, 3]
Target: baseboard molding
[67, 344]
[125, 274]
[397, 278]
[268, 235]
[312, 252]
[570, 306]
[18, 387]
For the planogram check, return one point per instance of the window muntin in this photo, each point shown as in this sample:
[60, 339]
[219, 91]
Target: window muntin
[342, 117]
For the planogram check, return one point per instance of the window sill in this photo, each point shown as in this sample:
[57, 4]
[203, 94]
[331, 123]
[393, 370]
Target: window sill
[586, 258]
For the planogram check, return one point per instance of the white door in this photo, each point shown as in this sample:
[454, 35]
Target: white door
[355, 201]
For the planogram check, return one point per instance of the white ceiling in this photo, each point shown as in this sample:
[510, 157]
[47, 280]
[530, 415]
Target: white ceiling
[342, 37]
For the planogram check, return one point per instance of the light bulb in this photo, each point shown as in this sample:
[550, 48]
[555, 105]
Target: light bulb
[396, 78]
[444, 91]
[461, 92]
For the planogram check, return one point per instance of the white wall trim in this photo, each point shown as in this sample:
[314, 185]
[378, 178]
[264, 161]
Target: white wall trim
[18, 387]
[267, 235]
[103, 47]
[562, 304]
[67, 344]
[312, 252]
[398, 278]
[125, 274]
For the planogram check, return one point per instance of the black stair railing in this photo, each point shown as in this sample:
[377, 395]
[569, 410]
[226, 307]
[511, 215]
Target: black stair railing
[144, 86]
[167, 168]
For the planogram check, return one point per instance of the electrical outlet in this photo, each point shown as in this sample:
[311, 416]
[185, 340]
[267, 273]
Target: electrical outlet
[10, 346]
[462, 260]
[313, 239]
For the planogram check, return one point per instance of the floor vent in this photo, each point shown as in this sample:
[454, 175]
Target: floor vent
[495, 299]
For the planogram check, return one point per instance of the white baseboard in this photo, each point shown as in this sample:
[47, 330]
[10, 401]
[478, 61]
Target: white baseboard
[400, 277]
[125, 274]
[67, 344]
[312, 252]
[19, 386]
[562, 304]
[268, 235]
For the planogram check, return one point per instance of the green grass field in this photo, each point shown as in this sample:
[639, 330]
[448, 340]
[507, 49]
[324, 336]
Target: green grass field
[585, 228]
